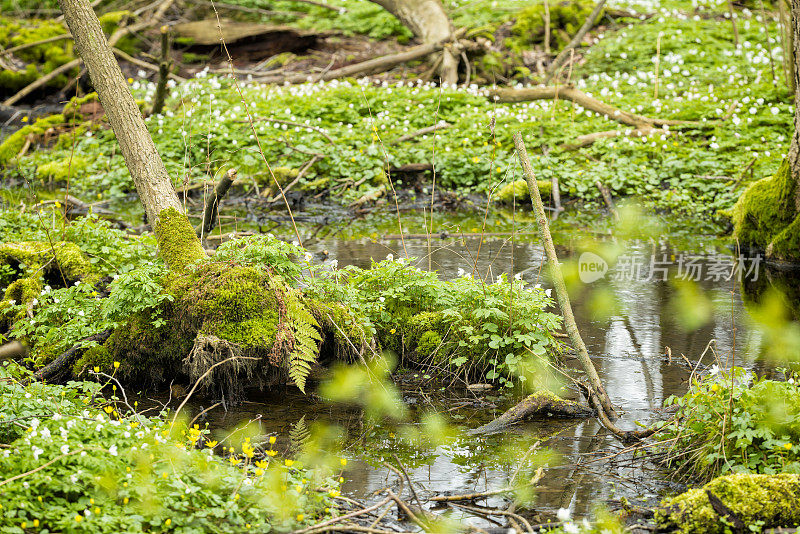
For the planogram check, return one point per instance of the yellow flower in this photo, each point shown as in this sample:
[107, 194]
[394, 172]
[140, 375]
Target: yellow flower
[392, 331]
[259, 472]
[353, 159]
[96, 510]
[25, 119]
[96, 369]
[116, 365]
[237, 497]
[24, 524]
[39, 498]
[341, 480]
[271, 453]
[125, 500]
[211, 444]
[300, 517]
[343, 461]
[787, 446]
[233, 460]
[714, 387]
[168, 521]
[124, 484]
[108, 409]
[288, 463]
[247, 525]
[78, 518]
[333, 493]
[272, 440]
[35, 522]
[164, 474]
[299, 488]
[476, 159]
[261, 464]
[130, 80]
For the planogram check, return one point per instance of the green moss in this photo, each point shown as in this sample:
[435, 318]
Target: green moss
[766, 500]
[41, 59]
[97, 356]
[518, 190]
[61, 170]
[178, 244]
[12, 146]
[191, 57]
[765, 217]
[566, 18]
[72, 108]
[428, 343]
[59, 263]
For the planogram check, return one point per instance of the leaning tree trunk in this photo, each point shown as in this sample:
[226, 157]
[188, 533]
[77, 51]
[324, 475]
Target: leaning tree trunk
[177, 242]
[430, 23]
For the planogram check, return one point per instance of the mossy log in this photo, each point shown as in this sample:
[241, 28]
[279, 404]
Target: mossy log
[539, 404]
[221, 310]
[766, 218]
[732, 503]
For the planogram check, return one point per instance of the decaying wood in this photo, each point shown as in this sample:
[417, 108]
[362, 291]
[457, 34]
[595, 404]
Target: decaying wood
[540, 404]
[575, 42]
[62, 363]
[370, 66]
[164, 67]
[212, 207]
[112, 41]
[597, 391]
[25, 46]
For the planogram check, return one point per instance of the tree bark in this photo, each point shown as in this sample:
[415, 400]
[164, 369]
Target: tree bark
[794, 148]
[178, 244]
[430, 23]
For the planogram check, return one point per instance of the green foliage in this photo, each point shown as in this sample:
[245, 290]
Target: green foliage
[726, 425]
[487, 331]
[72, 461]
[265, 251]
[305, 333]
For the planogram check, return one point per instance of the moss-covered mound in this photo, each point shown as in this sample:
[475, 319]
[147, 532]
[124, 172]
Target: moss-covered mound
[14, 143]
[566, 18]
[752, 500]
[518, 190]
[765, 217]
[232, 326]
[44, 58]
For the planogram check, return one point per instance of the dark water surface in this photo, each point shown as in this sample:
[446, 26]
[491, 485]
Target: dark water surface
[628, 341]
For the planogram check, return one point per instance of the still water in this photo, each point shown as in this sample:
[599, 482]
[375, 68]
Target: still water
[645, 331]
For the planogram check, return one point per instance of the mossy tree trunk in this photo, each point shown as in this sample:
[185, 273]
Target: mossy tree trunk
[430, 23]
[767, 215]
[178, 244]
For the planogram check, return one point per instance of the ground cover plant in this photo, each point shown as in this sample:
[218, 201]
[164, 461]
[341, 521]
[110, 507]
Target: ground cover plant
[697, 170]
[75, 460]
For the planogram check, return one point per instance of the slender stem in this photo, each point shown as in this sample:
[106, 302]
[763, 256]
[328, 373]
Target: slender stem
[570, 325]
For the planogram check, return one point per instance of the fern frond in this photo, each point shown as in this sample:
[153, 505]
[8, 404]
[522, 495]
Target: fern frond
[306, 336]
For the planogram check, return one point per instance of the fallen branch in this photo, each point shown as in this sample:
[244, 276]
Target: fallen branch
[597, 390]
[539, 404]
[575, 42]
[42, 81]
[577, 96]
[583, 141]
[371, 66]
[303, 170]
[144, 64]
[25, 46]
[441, 125]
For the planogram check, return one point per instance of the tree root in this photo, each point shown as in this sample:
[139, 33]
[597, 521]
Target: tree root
[539, 404]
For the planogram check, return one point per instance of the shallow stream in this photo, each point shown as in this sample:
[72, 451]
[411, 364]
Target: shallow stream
[628, 343]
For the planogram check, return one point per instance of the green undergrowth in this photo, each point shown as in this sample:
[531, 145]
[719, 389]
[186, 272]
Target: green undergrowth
[693, 170]
[262, 300]
[76, 460]
[735, 424]
[36, 61]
